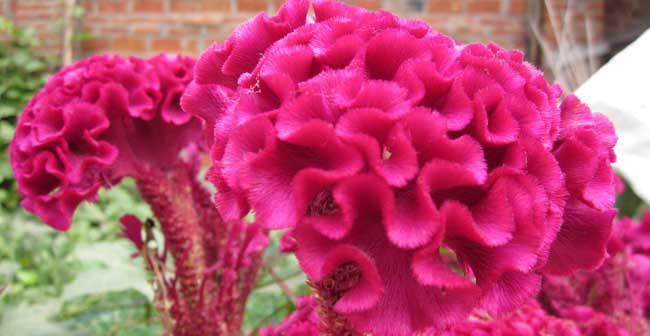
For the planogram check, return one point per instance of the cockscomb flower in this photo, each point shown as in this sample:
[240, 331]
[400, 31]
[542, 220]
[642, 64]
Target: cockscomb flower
[445, 175]
[620, 288]
[95, 122]
[106, 118]
[528, 320]
[531, 320]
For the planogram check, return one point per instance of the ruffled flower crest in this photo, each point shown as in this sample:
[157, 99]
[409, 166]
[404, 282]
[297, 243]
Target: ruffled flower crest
[447, 174]
[95, 122]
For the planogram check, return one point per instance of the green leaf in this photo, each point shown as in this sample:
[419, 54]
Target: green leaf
[27, 278]
[34, 320]
[111, 268]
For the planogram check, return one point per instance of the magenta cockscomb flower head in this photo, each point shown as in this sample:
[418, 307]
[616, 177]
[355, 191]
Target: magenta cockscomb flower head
[620, 288]
[421, 178]
[95, 122]
[531, 320]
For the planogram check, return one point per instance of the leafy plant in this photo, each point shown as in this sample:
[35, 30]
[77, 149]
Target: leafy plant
[23, 71]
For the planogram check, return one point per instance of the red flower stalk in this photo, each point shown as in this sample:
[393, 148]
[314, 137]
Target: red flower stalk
[106, 118]
[446, 173]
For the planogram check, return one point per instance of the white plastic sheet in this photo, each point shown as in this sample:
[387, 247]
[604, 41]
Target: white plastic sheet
[621, 91]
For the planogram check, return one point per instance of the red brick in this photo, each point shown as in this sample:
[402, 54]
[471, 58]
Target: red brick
[251, 5]
[182, 5]
[95, 45]
[145, 27]
[215, 6]
[190, 47]
[484, 6]
[166, 45]
[367, 4]
[199, 5]
[148, 5]
[112, 6]
[518, 7]
[133, 45]
[445, 6]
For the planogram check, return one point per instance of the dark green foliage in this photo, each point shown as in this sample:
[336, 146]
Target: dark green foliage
[22, 71]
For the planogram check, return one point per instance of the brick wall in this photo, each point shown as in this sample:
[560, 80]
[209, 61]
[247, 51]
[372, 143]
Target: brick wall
[151, 26]
[146, 27]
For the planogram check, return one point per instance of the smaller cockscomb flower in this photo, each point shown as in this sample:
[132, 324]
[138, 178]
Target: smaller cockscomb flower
[531, 320]
[620, 288]
[447, 176]
[95, 122]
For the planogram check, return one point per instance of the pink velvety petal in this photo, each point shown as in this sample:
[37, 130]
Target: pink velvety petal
[171, 109]
[528, 204]
[511, 291]
[460, 222]
[367, 291]
[494, 215]
[444, 95]
[303, 118]
[293, 13]
[207, 103]
[600, 190]
[288, 242]
[269, 176]
[543, 166]
[384, 95]
[385, 146]
[587, 173]
[230, 201]
[493, 121]
[409, 218]
[416, 220]
[574, 115]
[326, 9]
[387, 51]
[365, 197]
[49, 124]
[341, 52]
[311, 249]
[581, 242]
[55, 212]
[481, 57]
[338, 88]
[81, 118]
[44, 184]
[408, 305]
[319, 203]
[209, 67]
[143, 103]
[427, 136]
[459, 183]
[252, 38]
[84, 157]
[430, 269]
[113, 99]
[245, 142]
[282, 68]
[41, 175]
